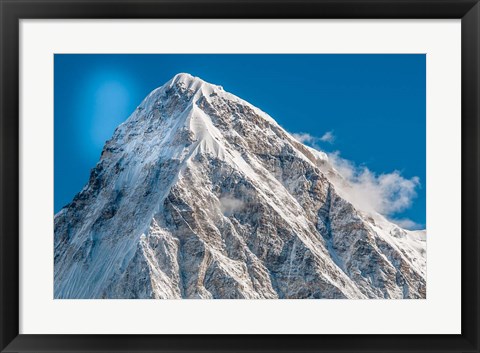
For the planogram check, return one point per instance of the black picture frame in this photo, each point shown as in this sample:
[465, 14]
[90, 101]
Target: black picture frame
[13, 10]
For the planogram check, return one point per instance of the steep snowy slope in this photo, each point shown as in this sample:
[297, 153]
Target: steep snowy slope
[201, 195]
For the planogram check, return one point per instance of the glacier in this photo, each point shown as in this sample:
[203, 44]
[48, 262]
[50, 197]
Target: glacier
[199, 194]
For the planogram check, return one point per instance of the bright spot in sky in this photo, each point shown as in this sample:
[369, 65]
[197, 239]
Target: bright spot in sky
[109, 103]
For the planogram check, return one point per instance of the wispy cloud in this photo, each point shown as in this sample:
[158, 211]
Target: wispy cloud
[328, 137]
[386, 193]
[306, 138]
[230, 205]
[406, 223]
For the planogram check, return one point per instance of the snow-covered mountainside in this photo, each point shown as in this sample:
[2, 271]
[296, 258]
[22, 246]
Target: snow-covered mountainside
[199, 194]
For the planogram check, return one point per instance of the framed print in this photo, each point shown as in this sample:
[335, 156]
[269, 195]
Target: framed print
[237, 176]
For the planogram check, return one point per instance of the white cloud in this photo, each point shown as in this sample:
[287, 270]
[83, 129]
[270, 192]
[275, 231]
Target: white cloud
[386, 194]
[328, 137]
[230, 205]
[306, 138]
[407, 224]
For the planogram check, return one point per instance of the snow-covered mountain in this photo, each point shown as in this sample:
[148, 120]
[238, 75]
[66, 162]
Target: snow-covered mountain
[199, 194]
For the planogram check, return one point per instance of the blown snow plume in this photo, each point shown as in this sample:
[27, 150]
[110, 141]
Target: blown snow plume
[199, 194]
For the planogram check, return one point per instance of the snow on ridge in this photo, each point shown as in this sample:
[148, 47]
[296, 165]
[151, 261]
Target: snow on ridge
[201, 88]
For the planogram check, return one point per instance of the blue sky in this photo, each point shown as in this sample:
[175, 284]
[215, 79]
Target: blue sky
[369, 111]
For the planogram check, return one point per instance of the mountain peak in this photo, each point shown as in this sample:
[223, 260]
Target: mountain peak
[186, 79]
[192, 83]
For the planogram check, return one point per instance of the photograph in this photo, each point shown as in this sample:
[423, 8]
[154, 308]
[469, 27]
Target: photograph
[240, 176]
[231, 176]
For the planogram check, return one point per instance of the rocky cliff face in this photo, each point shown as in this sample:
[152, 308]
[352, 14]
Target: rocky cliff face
[201, 195]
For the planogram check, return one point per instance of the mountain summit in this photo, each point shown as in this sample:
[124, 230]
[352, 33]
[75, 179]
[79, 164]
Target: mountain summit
[199, 194]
